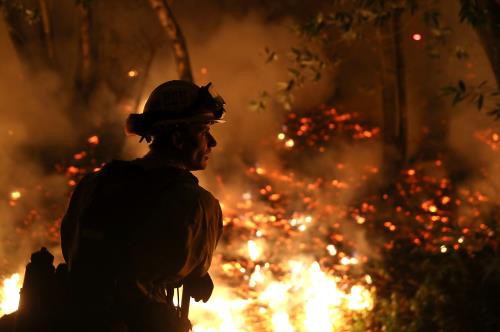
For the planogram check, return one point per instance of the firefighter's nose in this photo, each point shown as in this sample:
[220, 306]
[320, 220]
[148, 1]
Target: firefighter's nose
[211, 141]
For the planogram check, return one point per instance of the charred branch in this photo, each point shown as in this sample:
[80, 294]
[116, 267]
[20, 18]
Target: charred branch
[142, 84]
[47, 31]
[174, 33]
[392, 76]
[401, 130]
[85, 77]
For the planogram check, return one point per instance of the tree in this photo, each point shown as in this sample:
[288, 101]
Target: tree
[484, 16]
[393, 91]
[174, 33]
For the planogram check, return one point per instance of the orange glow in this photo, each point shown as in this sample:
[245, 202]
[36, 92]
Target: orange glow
[15, 195]
[416, 37]
[9, 294]
[93, 140]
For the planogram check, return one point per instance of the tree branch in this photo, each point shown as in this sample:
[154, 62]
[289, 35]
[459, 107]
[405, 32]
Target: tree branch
[47, 31]
[84, 75]
[174, 33]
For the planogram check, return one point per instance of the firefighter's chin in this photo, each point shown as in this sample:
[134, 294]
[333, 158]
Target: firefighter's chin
[200, 165]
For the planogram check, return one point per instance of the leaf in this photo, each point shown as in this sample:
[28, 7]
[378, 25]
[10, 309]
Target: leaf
[270, 55]
[462, 86]
[480, 102]
[461, 53]
[282, 85]
[448, 90]
[457, 98]
[294, 72]
[483, 83]
[495, 113]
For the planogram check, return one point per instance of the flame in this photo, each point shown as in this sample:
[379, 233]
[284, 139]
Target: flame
[307, 298]
[9, 294]
[253, 250]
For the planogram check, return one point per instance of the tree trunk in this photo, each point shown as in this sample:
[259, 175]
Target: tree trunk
[402, 126]
[85, 77]
[489, 33]
[174, 33]
[47, 31]
[392, 77]
[21, 37]
[142, 84]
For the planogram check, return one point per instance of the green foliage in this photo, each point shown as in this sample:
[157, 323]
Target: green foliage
[305, 65]
[455, 291]
[270, 55]
[481, 95]
[471, 12]
[260, 104]
[10, 7]
[461, 53]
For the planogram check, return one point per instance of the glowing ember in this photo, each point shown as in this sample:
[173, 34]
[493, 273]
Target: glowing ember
[9, 294]
[133, 73]
[15, 195]
[289, 143]
[253, 250]
[260, 170]
[93, 140]
[359, 298]
[281, 136]
[416, 37]
[331, 249]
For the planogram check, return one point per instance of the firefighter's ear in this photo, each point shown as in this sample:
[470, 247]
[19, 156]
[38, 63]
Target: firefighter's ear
[177, 140]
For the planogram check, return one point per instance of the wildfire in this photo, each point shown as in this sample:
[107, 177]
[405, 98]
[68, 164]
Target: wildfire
[285, 264]
[306, 298]
[9, 294]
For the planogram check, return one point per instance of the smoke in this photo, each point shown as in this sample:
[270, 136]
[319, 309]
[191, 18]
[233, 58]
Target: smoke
[33, 120]
[232, 57]
[228, 50]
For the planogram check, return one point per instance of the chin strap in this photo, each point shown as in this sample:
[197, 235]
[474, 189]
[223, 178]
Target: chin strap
[183, 311]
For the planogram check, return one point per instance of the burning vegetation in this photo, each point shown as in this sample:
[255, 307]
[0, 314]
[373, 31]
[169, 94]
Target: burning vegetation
[344, 228]
[291, 258]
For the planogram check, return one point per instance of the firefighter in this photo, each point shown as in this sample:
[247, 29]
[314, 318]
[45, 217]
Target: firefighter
[136, 230]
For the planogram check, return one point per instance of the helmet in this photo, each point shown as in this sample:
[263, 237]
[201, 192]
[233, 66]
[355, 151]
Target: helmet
[176, 102]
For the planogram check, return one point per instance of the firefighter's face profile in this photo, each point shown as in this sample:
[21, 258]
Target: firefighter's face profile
[199, 147]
